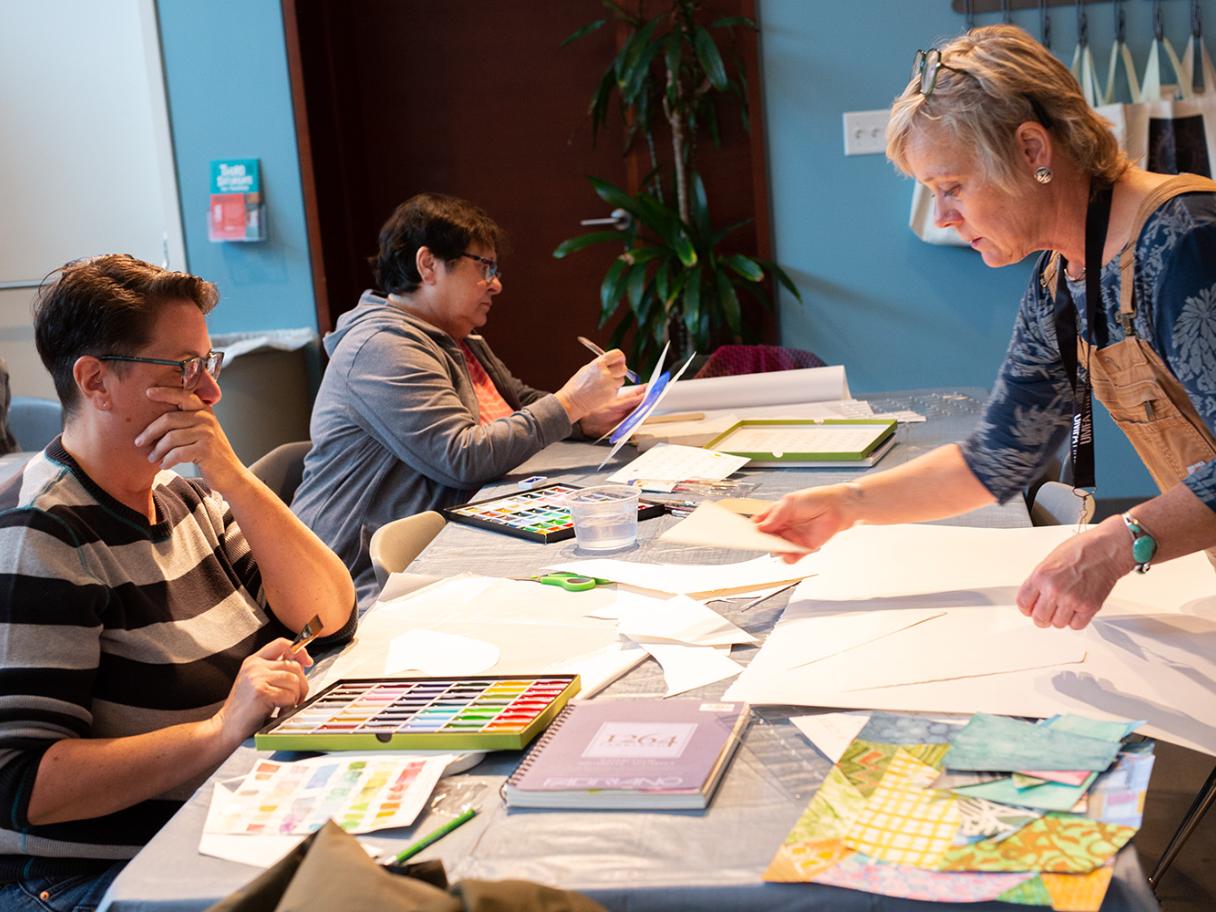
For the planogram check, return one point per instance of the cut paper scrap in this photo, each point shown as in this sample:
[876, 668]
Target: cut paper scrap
[1058, 843]
[903, 821]
[857, 872]
[712, 526]
[991, 742]
[831, 733]
[689, 667]
[672, 462]
[951, 780]
[1078, 892]
[1064, 777]
[891, 728]
[433, 652]
[1050, 796]
[697, 580]
[676, 620]
[1118, 795]
[982, 819]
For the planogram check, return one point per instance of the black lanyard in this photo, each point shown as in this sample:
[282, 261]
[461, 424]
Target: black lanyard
[1097, 217]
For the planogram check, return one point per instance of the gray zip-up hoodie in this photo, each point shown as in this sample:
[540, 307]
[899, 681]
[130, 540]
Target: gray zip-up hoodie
[395, 429]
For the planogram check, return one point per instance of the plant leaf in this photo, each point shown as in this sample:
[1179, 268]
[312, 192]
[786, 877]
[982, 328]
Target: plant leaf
[784, 279]
[683, 248]
[718, 235]
[730, 305]
[610, 288]
[583, 31]
[574, 244]
[616, 197]
[730, 21]
[700, 206]
[745, 267]
[711, 60]
[635, 287]
[692, 302]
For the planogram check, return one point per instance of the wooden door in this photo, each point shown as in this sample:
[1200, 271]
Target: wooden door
[474, 98]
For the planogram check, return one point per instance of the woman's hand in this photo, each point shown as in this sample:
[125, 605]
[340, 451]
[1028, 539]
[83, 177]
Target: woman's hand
[593, 386]
[1072, 583]
[810, 517]
[190, 432]
[605, 418]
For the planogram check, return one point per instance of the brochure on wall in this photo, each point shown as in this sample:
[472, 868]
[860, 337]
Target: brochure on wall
[238, 210]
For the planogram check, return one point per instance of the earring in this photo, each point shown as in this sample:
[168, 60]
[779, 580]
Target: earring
[104, 405]
[1043, 175]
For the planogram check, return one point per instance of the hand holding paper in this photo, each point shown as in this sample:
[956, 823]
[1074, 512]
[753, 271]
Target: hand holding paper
[713, 526]
[807, 518]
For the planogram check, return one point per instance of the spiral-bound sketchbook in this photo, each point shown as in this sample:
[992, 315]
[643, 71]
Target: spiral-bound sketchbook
[619, 754]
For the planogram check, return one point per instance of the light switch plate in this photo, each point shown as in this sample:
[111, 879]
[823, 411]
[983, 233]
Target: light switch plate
[865, 132]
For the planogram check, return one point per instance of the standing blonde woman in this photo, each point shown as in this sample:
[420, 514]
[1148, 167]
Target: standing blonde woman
[1122, 303]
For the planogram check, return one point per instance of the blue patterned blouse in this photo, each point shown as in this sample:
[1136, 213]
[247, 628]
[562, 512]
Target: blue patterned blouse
[1031, 402]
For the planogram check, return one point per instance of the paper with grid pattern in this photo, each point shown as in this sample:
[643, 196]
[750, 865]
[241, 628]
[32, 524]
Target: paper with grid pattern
[903, 821]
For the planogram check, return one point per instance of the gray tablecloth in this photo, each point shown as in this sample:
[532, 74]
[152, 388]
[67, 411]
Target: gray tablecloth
[626, 860]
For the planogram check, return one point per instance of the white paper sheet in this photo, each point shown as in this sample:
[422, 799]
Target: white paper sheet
[672, 462]
[537, 630]
[677, 620]
[812, 384]
[688, 667]
[692, 579]
[712, 526]
[433, 652]
[1149, 654]
[831, 733]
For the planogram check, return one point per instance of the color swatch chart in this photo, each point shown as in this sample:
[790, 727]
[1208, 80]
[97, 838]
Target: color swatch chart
[360, 794]
[539, 515]
[466, 713]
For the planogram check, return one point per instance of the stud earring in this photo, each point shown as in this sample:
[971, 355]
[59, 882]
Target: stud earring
[1043, 175]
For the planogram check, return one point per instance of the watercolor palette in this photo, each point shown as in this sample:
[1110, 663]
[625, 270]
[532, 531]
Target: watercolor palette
[539, 514]
[465, 713]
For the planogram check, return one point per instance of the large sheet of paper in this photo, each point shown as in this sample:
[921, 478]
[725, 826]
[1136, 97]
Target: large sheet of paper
[1149, 654]
[812, 384]
[692, 579]
[536, 630]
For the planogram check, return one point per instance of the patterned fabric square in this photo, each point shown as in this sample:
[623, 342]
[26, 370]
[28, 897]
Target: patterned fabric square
[904, 822]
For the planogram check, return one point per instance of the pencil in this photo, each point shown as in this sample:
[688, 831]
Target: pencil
[434, 836]
[591, 346]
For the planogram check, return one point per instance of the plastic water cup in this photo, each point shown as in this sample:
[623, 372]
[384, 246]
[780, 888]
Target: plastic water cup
[605, 517]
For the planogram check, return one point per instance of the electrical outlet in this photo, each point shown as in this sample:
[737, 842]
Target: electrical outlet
[865, 132]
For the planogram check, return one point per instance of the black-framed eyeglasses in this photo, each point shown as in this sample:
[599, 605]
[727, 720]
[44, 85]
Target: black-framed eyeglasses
[191, 368]
[489, 267]
[927, 66]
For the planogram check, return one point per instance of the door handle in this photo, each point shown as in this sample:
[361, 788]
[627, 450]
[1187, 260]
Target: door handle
[619, 219]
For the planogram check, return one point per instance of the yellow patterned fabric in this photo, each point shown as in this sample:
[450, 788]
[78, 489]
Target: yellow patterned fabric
[1079, 892]
[904, 822]
[1057, 843]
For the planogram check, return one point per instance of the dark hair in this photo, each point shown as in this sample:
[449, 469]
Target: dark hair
[443, 224]
[105, 305]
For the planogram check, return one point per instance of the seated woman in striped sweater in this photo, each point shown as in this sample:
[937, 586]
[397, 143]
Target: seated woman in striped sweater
[145, 618]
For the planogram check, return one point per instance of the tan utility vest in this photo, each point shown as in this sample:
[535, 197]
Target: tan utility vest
[1133, 382]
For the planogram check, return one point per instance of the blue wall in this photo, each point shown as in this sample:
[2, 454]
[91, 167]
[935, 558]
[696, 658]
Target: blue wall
[229, 97]
[897, 312]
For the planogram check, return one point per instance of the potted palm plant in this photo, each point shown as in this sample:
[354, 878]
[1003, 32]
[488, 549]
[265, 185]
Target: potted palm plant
[673, 280]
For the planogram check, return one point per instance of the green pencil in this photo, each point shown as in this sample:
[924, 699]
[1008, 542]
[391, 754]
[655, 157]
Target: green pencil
[414, 848]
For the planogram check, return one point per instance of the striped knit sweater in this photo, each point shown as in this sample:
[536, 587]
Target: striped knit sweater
[110, 626]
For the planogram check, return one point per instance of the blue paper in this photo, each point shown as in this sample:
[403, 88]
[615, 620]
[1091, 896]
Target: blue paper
[639, 414]
[998, 743]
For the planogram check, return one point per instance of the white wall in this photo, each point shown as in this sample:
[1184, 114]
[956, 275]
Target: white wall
[86, 163]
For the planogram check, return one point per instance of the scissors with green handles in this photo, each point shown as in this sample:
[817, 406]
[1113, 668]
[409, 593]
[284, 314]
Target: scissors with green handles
[571, 582]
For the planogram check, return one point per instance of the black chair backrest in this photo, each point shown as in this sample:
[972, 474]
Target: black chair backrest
[283, 467]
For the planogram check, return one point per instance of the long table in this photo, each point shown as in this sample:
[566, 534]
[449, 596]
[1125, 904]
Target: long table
[669, 860]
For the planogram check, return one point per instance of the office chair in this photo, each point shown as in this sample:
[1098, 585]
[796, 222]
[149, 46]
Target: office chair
[283, 467]
[394, 545]
[729, 360]
[34, 422]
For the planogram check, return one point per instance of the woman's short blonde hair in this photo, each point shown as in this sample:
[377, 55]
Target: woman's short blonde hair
[993, 79]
